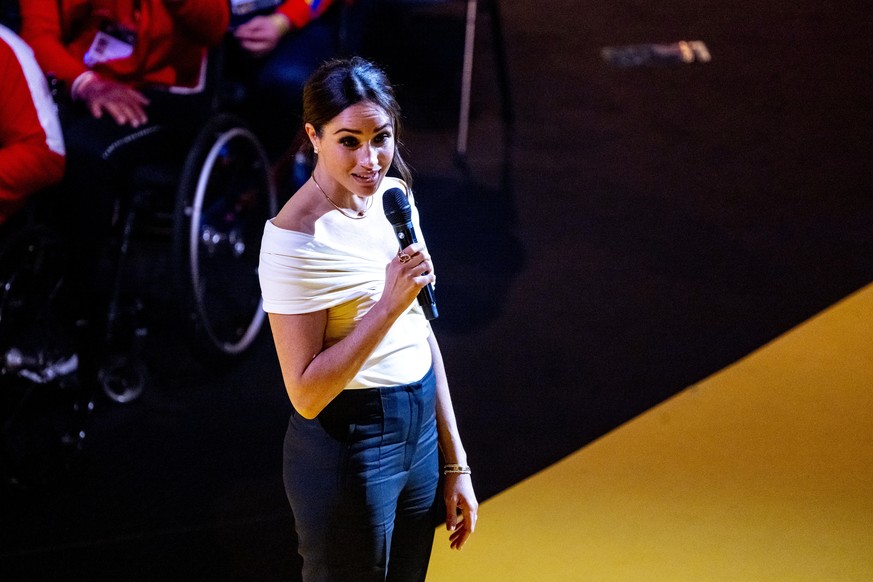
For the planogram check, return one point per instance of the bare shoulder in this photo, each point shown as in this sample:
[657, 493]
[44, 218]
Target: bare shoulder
[298, 214]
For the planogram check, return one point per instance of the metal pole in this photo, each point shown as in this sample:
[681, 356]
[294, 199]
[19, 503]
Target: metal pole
[467, 80]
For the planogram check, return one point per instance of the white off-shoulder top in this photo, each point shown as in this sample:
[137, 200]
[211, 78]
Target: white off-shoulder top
[341, 268]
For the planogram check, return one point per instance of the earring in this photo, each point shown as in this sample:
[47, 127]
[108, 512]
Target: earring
[315, 151]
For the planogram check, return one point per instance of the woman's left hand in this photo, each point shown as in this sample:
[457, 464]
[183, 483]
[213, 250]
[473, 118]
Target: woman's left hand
[461, 508]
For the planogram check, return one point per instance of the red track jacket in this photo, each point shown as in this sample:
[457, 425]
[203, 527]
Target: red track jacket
[302, 12]
[171, 37]
[31, 144]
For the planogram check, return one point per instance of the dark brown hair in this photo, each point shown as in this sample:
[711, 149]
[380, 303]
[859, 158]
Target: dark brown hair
[341, 83]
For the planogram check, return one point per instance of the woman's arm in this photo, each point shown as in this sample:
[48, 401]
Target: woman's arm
[458, 492]
[314, 375]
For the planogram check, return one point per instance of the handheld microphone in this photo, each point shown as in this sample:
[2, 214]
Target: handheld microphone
[399, 214]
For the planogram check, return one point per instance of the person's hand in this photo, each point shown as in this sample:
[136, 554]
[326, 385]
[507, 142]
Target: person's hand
[407, 274]
[461, 508]
[126, 105]
[261, 34]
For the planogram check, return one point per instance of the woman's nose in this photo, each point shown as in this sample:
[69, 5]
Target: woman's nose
[369, 156]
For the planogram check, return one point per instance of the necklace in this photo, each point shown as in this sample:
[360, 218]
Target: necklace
[344, 212]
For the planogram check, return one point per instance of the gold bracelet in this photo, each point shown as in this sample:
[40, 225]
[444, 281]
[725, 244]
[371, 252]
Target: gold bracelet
[454, 469]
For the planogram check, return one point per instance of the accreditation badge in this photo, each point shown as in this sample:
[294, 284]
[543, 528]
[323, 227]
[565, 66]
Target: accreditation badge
[111, 42]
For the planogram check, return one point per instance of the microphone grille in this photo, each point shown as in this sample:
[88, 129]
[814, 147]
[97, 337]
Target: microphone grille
[396, 206]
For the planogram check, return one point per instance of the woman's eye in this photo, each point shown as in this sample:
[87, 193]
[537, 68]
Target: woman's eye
[349, 142]
[382, 138]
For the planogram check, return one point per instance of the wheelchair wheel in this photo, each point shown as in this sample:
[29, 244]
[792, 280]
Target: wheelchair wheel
[225, 196]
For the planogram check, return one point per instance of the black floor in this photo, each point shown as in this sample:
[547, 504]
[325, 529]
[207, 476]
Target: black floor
[630, 233]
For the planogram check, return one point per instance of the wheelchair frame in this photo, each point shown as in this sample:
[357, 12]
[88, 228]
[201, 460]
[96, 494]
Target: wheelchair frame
[224, 194]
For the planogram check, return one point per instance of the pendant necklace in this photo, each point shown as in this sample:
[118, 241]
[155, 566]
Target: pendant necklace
[343, 211]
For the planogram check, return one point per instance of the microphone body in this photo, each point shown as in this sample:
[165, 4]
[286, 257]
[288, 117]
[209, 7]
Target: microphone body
[399, 214]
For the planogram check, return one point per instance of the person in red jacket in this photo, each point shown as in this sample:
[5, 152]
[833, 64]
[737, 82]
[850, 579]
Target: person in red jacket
[107, 52]
[31, 143]
[132, 73]
[278, 51]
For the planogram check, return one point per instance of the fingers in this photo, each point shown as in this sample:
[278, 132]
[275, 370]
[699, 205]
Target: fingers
[257, 47]
[258, 26]
[470, 515]
[138, 98]
[461, 528]
[96, 109]
[406, 275]
[125, 105]
[259, 36]
[452, 517]
[461, 510]
[459, 537]
[417, 261]
[128, 106]
[126, 113]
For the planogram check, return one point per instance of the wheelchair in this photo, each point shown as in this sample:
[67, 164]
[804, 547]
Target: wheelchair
[213, 219]
[210, 208]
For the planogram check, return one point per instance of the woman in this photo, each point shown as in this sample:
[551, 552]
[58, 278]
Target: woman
[359, 360]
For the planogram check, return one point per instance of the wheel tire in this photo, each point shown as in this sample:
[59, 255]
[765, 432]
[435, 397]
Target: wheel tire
[225, 196]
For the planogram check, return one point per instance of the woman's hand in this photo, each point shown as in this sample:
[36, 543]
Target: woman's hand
[260, 35]
[406, 275]
[461, 508]
[126, 105]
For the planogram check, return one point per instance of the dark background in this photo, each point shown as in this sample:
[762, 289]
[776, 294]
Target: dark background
[632, 232]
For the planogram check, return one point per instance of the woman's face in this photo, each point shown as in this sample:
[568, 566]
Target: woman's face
[356, 147]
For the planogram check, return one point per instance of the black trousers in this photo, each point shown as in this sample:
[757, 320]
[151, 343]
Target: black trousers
[361, 479]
